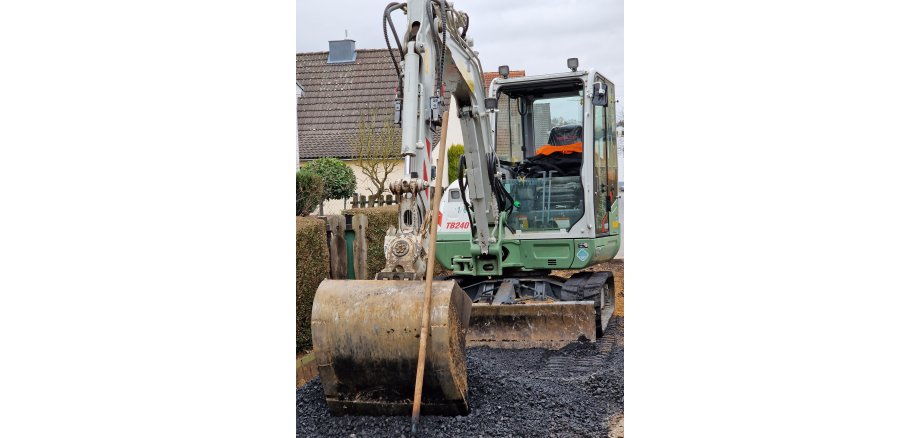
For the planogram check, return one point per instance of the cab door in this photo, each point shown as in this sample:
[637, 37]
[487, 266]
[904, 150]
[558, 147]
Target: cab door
[613, 166]
[604, 170]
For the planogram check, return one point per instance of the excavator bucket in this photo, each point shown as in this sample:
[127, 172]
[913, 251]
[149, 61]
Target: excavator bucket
[550, 325]
[366, 340]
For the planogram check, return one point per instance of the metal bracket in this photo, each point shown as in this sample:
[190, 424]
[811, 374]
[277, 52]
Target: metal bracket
[408, 276]
[540, 290]
[434, 113]
[505, 294]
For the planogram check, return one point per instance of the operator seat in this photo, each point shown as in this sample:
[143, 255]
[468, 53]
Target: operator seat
[566, 139]
[566, 134]
[562, 153]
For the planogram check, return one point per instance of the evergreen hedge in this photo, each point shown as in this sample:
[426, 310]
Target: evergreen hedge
[309, 191]
[312, 268]
[453, 162]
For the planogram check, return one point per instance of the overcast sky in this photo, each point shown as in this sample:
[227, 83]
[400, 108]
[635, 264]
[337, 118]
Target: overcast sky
[534, 35]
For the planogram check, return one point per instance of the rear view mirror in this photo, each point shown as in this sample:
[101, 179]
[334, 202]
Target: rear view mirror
[600, 94]
[491, 103]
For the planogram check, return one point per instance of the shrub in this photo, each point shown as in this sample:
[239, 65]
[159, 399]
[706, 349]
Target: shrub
[453, 162]
[338, 179]
[312, 268]
[309, 191]
[377, 150]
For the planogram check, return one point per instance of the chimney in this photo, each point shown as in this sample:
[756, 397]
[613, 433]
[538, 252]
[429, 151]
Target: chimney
[341, 52]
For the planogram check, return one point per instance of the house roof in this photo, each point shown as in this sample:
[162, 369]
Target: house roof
[489, 75]
[336, 96]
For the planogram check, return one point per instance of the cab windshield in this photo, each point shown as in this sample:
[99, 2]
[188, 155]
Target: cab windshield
[540, 134]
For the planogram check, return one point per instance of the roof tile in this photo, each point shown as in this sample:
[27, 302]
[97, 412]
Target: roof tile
[335, 96]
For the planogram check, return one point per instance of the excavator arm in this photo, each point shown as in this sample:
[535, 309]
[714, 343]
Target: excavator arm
[366, 333]
[436, 58]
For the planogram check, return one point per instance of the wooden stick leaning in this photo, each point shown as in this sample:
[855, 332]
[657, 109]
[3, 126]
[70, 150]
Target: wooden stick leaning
[429, 276]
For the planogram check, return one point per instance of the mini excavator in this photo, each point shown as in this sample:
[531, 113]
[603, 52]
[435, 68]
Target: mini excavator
[537, 192]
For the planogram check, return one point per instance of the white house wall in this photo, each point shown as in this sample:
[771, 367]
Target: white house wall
[454, 135]
[364, 186]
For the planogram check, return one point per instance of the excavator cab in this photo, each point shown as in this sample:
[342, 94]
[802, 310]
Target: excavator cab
[558, 162]
[556, 146]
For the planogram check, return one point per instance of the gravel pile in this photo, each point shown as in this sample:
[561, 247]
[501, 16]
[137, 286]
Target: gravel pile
[516, 393]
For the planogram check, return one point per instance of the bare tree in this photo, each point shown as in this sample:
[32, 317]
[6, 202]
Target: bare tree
[376, 150]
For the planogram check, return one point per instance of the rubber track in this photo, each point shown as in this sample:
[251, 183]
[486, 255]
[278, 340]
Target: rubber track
[578, 366]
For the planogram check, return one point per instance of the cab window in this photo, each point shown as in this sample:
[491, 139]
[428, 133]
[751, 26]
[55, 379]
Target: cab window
[540, 135]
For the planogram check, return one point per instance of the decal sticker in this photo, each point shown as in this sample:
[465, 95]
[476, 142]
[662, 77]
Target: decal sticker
[582, 254]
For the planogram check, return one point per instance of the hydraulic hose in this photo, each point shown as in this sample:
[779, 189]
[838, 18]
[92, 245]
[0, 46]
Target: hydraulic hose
[461, 180]
[386, 19]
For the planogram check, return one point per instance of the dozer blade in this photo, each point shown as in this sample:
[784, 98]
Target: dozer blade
[366, 340]
[532, 325]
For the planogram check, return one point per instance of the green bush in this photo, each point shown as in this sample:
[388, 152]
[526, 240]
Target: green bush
[338, 179]
[309, 191]
[379, 220]
[453, 162]
[312, 268]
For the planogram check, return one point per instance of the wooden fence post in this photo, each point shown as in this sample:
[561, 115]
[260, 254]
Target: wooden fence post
[354, 200]
[338, 253]
[359, 248]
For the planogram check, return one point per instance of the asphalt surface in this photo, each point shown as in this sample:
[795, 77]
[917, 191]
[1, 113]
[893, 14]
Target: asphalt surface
[572, 392]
